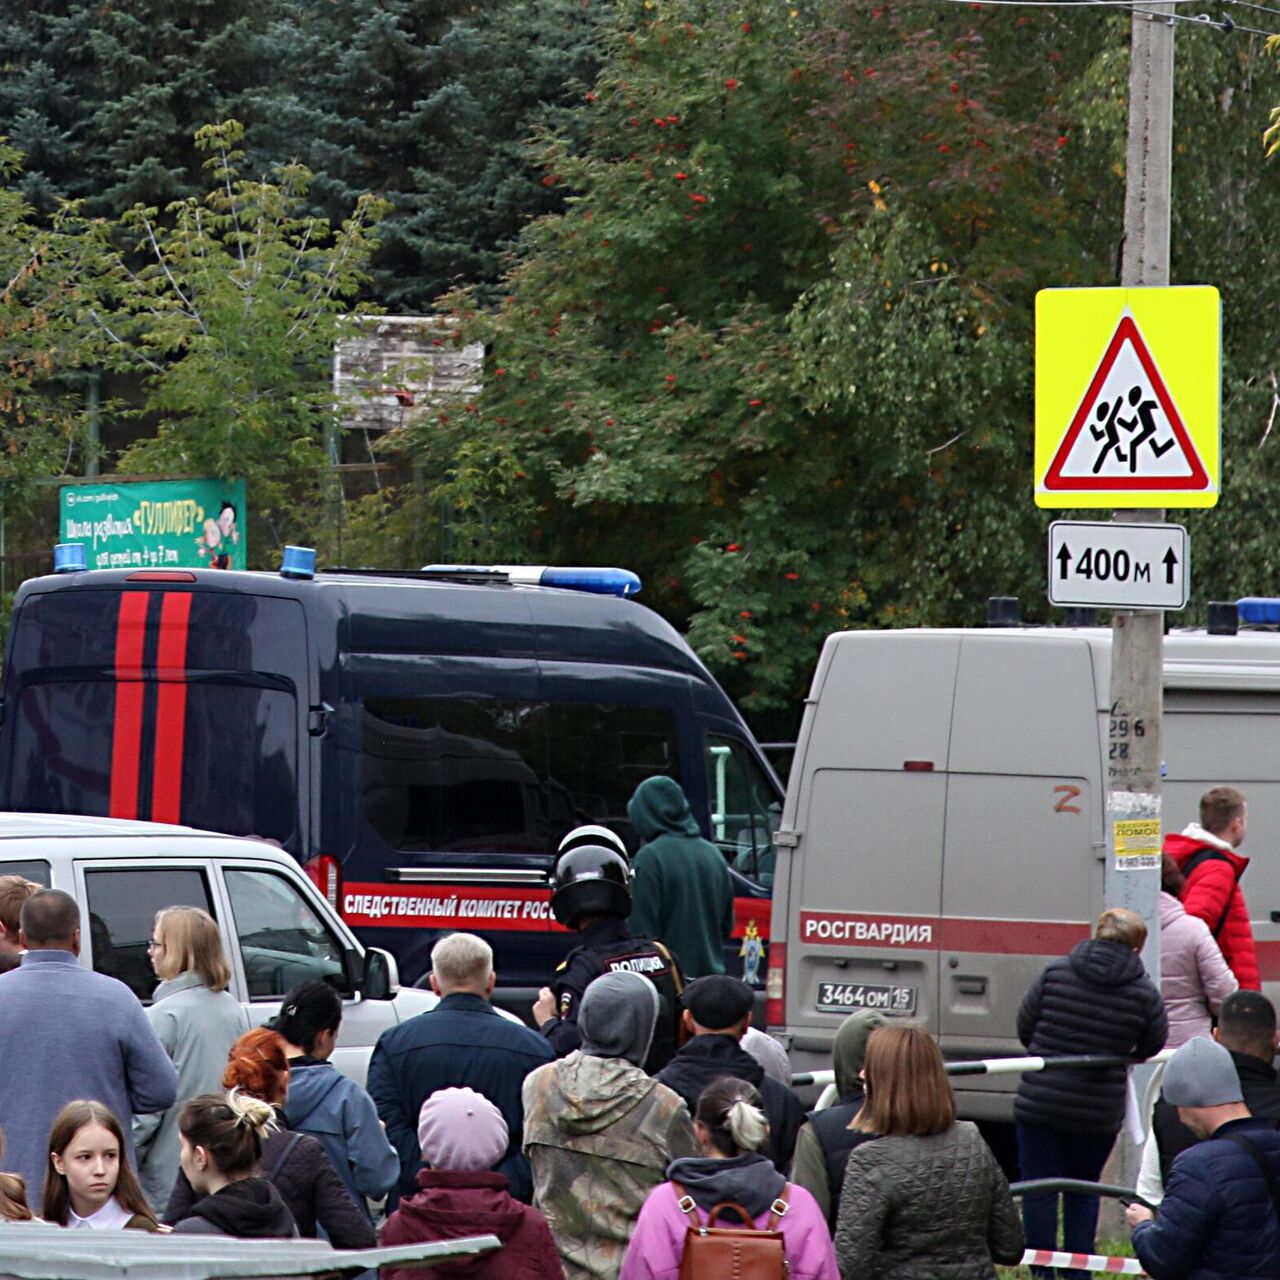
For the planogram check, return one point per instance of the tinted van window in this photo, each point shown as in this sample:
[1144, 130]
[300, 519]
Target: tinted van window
[456, 774]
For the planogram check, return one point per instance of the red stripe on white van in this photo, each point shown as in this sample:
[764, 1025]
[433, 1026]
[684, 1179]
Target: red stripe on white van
[171, 706]
[1268, 960]
[126, 735]
[939, 933]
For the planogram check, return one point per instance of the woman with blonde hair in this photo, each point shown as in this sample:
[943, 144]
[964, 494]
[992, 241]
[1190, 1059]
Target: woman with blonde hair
[888, 1230]
[197, 1020]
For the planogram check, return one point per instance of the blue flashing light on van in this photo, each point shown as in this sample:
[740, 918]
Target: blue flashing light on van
[420, 741]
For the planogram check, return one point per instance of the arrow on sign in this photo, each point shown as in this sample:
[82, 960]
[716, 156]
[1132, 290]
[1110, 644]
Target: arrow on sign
[1064, 562]
[1170, 563]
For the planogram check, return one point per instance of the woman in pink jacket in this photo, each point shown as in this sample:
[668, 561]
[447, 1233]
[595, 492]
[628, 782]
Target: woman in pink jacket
[1194, 978]
[730, 1127]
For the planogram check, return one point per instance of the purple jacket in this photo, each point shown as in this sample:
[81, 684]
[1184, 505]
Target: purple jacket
[658, 1242]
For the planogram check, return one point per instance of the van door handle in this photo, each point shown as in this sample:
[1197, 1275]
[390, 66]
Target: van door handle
[971, 986]
[1275, 917]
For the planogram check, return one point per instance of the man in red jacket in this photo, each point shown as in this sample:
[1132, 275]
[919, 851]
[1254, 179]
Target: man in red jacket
[1206, 854]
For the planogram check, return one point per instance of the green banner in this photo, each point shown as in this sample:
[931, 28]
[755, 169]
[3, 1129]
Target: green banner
[156, 524]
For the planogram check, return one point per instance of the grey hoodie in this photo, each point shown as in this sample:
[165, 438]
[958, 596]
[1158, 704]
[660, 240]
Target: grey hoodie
[617, 1017]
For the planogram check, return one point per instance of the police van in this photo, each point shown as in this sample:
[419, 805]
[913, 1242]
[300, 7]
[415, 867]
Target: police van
[944, 836]
[418, 741]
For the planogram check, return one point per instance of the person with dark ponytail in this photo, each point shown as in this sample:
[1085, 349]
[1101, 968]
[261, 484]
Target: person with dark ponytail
[731, 1128]
[294, 1162]
[323, 1102]
[220, 1144]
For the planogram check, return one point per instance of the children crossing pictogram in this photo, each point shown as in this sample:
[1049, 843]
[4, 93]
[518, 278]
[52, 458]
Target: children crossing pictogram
[1127, 434]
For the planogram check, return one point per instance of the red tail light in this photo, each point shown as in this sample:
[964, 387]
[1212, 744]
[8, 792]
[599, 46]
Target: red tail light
[775, 987]
[326, 874]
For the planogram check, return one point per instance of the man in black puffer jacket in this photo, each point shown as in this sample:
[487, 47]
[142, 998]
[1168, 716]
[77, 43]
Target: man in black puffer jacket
[1098, 999]
[717, 1012]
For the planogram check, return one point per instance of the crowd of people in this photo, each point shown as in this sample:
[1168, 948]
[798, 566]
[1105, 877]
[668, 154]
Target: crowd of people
[643, 1127]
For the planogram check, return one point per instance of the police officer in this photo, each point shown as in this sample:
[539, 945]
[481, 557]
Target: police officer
[591, 894]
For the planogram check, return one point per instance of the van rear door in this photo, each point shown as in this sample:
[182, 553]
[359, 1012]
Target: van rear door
[1022, 870]
[865, 884]
[173, 703]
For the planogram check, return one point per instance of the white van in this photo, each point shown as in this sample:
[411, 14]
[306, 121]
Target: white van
[277, 927]
[943, 835]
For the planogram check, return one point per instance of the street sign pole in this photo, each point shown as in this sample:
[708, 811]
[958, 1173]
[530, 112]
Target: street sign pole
[1132, 876]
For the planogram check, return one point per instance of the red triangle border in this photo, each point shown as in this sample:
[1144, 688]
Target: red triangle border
[1197, 481]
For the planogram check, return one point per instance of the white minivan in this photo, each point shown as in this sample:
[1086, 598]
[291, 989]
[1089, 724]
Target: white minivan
[276, 926]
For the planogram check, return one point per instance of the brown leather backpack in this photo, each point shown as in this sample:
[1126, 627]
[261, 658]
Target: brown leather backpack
[733, 1253]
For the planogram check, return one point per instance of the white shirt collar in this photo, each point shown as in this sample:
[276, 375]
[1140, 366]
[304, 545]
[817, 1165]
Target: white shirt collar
[111, 1217]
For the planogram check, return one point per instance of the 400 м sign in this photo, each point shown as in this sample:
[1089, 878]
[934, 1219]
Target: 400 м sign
[1118, 566]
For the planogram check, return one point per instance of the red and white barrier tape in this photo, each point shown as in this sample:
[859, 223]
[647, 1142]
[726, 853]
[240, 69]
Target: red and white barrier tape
[1083, 1262]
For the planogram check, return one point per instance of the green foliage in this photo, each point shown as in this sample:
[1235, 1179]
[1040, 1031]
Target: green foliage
[230, 306]
[763, 356]
[433, 105]
[104, 98]
[40, 349]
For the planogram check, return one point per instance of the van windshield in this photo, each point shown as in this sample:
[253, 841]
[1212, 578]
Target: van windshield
[458, 774]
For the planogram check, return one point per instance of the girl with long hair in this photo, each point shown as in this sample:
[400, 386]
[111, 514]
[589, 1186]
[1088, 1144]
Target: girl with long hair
[885, 1227]
[295, 1163]
[196, 1019]
[220, 1144]
[88, 1183]
[730, 1126]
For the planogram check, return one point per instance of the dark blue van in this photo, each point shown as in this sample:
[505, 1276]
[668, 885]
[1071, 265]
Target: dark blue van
[419, 741]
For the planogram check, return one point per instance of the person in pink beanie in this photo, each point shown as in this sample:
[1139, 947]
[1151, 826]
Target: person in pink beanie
[462, 1135]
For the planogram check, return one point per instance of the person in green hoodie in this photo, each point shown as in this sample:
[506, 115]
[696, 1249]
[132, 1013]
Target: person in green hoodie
[682, 891]
[826, 1138]
[599, 1132]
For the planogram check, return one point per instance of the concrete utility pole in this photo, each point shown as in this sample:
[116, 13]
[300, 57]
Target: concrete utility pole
[1137, 647]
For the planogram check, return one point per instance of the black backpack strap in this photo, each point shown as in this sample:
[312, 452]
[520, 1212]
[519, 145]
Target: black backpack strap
[285, 1148]
[1263, 1164]
[1211, 855]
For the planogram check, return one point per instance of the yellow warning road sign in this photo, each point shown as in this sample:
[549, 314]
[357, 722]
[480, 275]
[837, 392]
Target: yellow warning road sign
[1128, 397]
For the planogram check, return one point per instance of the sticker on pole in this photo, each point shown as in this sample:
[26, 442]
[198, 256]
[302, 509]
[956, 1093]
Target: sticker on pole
[1118, 421]
[1136, 841]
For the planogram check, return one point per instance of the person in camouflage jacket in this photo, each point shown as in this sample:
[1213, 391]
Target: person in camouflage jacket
[598, 1132]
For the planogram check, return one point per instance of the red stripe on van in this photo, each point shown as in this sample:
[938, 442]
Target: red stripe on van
[1268, 960]
[939, 933]
[126, 733]
[171, 707]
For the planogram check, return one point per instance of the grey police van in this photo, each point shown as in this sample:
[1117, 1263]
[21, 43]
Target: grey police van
[944, 832]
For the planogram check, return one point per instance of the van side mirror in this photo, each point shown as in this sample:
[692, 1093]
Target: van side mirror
[381, 979]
